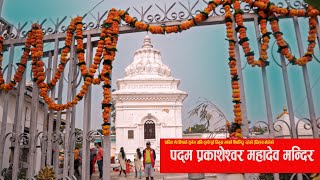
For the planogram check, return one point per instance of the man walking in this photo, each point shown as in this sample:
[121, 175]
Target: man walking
[149, 158]
[100, 158]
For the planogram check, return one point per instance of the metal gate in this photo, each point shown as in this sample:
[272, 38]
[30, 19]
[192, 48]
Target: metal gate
[31, 142]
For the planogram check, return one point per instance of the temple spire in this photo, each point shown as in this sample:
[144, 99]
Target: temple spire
[147, 42]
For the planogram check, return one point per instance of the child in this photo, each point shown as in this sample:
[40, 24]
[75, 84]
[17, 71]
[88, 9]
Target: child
[128, 166]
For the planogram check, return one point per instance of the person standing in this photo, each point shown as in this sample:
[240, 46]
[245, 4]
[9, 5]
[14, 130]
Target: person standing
[77, 162]
[100, 158]
[149, 158]
[137, 163]
[93, 159]
[122, 161]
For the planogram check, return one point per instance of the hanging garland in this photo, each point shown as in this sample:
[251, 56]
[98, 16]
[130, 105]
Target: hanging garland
[21, 65]
[112, 31]
[235, 127]
[108, 41]
[203, 15]
[284, 47]
[64, 54]
[265, 35]
[243, 39]
[282, 44]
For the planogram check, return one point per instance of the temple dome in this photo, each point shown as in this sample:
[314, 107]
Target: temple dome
[147, 62]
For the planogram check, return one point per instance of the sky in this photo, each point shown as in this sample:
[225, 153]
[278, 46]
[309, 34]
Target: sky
[198, 57]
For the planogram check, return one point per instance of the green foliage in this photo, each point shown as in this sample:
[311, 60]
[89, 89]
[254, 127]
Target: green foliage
[266, 176]
[314, 3]
[208, 113]
[259, 129]
[197, 128]
[7, 173]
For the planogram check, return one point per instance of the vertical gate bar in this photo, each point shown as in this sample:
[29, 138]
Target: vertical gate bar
[85, 169]
[289, 102]
[306, 81]
[18, 128]
[1, 5]
[33, 128]
[58, 120]
[106, 157]
[44, 142]
[46, 118]
[266, 90]
[58, 125]
[265, 84]
[52, 96]
[289, 97]
[5, 107]
[318, 32]
[73, 116]
[68, 114]
[245, 127]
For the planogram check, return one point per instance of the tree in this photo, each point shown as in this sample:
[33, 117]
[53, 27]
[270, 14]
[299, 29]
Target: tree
[208, 113]
[259, 129]
[197, 128]
[314, 3]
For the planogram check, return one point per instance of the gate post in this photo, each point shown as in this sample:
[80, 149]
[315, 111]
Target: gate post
[5, 108]
[266, 90]
[106, 157]
[66, 156]
[306, 80]
[85, 171]
[18, 127]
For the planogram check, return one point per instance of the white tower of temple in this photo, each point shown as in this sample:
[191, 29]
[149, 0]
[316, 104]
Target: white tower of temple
[148, 103]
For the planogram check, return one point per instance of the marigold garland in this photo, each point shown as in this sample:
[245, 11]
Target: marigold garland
[170, 29]
[284, 47]
[243, 39]
[108, 41]
[265, 35]
[64, 54]
[21, 65]
[235, 127]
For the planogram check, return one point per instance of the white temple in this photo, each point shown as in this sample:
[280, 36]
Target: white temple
[283, 126]
[148, 103]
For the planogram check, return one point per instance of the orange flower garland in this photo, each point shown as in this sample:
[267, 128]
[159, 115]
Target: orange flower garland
[170, 29]
[21, 65]
[265, 35]
[107, 49]
[235, 129]
[108, 39]
[272, 8]
[109, 53]
[284, 48]
[64, 54]
[243, 39]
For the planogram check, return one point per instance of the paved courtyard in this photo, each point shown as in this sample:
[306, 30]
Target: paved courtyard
[158, 176]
